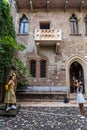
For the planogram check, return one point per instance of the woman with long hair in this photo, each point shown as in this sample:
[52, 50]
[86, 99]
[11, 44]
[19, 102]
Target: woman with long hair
[80, 97]
[10, 97]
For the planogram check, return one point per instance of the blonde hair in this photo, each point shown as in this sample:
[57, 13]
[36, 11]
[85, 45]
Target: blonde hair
[13, 74]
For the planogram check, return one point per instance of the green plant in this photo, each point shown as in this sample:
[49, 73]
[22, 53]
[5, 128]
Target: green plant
[23, 73]
[8, 44]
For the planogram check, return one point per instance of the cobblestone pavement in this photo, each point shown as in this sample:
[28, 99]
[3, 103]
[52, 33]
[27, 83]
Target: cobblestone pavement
[45, 118]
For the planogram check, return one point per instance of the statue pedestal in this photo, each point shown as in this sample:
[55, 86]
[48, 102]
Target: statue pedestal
[11, 112]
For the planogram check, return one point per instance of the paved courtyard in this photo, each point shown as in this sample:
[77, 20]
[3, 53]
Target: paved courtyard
[45, 116]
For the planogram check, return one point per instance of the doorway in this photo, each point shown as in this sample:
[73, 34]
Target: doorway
[76, 72]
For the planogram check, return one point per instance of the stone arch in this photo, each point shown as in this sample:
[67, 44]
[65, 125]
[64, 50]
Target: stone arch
[38, 58]
[82, 61]
[21, 16]
[44, 57]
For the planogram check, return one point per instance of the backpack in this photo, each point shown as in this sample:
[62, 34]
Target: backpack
[66, 100]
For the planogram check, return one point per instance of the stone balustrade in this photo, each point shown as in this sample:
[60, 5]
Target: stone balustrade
[48, 35]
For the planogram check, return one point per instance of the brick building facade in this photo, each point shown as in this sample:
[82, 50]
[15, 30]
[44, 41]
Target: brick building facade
[55, 35]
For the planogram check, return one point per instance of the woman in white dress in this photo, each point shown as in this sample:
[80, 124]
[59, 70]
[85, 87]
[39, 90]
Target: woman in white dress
[80, 98]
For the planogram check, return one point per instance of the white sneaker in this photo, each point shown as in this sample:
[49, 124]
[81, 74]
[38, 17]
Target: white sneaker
[82, 117]
[13, 107]
[8, 108]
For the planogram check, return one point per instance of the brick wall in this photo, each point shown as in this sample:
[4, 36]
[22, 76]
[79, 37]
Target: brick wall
[69, 46]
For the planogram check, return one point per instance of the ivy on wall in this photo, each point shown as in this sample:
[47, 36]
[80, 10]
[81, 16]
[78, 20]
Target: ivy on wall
[8, 44]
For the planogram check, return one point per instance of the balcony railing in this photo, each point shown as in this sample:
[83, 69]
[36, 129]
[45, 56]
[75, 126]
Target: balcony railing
[48, 35]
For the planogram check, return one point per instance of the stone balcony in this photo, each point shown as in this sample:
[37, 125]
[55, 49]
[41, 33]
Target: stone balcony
[48, 37]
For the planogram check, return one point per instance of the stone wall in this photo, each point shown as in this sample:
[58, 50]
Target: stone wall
[69, 46]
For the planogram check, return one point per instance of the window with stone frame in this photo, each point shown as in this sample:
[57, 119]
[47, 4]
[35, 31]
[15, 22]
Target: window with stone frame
[74, 24]
[43, 68]
[44, 25]
[33, 68]
[23, 27]
[85, 20]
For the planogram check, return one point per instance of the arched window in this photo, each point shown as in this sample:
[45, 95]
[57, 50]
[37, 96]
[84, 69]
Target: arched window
[85, 19]
[74, 24]
[23, 25]
[33, 68]
[42, 68]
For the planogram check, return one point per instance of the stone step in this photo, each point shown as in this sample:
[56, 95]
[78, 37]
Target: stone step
[11, 112]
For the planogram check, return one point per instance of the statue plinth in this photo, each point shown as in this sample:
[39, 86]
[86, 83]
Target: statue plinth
[11, 112]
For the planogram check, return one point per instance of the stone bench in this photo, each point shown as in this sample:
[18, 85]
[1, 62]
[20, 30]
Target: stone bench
[60, 90]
